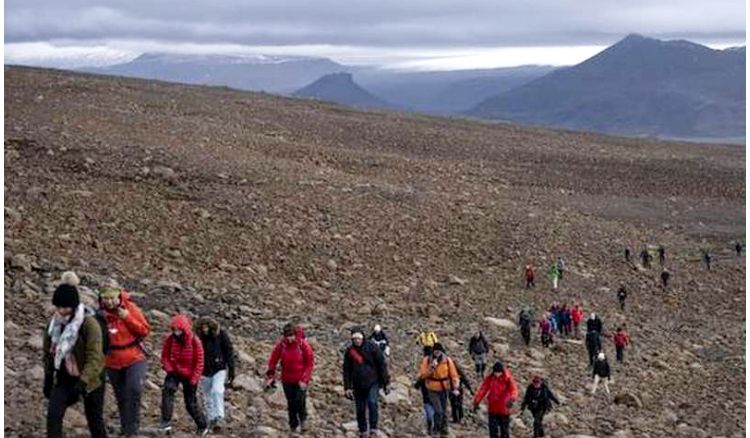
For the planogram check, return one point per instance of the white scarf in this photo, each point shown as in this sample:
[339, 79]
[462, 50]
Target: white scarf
[63, 339]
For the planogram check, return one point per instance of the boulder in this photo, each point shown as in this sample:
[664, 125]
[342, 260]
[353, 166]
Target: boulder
[21, 261]
[628, 399]
[248, 383]
[500, 322]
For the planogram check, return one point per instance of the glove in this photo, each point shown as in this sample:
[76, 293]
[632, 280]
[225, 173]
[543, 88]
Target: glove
[349, 394]
[48, 383]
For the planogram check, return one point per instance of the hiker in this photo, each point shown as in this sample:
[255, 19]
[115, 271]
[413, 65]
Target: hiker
[645, 258]
[593, 345]
[662, 255]
[529, 275]
[664, 277]
[738, 248]
[457, 401]
[501, 392]
[378, 336]
[73, 356]
[125, 362]
[594, 323]
[601, 372]
[552, 317]
[427, 339]
[707, 259]
[538, 398]
[429, 411]
[576, 316]
[565, 320]
[524, 322]
[621, 339]
[218, 368]
[297, 361]
[627, 254]
[561, 266]
[478, 349]
[545, 330]
[441, 377]
[182, 360]
[554, 274]
[365, 373]
[622, 294]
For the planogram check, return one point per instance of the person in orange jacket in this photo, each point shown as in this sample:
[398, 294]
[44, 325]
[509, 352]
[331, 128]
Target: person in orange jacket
[441, 378]
[501, 392]
[125, 362]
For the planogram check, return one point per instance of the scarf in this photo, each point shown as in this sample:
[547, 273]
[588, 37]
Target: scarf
[64, 338]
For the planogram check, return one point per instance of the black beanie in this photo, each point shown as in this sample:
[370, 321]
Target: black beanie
[498, 367]
[438, 347]
[66, 296]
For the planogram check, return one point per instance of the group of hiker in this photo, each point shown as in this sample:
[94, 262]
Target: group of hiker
[82, 345]
[555, 273]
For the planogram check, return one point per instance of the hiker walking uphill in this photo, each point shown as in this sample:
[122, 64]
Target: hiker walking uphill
[576, 316]
[441, 378]
[365, 373]
[379, 337]
[524, 322]
[594, 323]
[73, 360]
[297, 363]
[561, 266]
[545, 331]
[126, 360]
[707, 259]
[529, 273]
[182, 360]
[662, 255]
[501, 391]
[622, 295]
[554, 274]
[218, 368]
[645, 258]
[593, 345]
[429, 411]
[538, 398]
[565, 320]
[664, 278]
[478, 349]
[601, 372]
[621, 339]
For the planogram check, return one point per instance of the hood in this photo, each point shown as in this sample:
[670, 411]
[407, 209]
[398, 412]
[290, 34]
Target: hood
[213, 326]
[182, 322]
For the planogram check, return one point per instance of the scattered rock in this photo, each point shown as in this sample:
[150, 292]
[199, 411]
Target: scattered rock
[628, 399]
[21, 261]
[456, 281]
[500, 322]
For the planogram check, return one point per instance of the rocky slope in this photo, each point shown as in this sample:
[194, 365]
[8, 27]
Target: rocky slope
[259, 209]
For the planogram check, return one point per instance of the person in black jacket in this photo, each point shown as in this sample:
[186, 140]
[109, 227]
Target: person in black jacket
[524, 322]
[457, 401]
[594, 323]
[365, 372]
[601, 372]
[538, 399]
[593, 345]
[218, 368]
[622, 295]
[478, 349]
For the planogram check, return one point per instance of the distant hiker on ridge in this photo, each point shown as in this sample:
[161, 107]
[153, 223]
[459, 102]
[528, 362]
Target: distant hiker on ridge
[561, 266]
[529, 275]
[554, 274]
[622, 295]
[524, 322]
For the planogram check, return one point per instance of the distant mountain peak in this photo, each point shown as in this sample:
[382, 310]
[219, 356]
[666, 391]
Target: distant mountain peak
[340, 87]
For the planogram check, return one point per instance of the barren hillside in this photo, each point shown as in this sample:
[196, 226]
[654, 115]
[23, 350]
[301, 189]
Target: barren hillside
[259, 209]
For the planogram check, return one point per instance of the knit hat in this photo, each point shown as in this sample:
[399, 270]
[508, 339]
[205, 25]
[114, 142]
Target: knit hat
[109, 292]
[499, 367]
[438, 347]
[66, 294]
[601, 355]
[357, 330]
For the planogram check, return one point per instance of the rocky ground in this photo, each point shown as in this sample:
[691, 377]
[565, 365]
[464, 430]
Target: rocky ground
[258, 209]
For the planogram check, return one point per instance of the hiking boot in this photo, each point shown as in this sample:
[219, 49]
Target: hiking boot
[165, 428]
[204, 432]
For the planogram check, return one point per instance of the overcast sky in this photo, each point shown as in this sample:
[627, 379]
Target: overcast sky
[393, 33]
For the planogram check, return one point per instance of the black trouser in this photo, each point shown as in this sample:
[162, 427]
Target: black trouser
[538, 422]
[457, 406]
[622, 303]
[526, 334]
[499, 423]
[592, 354]
[366, 401]
[529, 283]
[546, 340]
[67, 394]
[619, 351]
[189, 392]
[128, 386]
[296, 404]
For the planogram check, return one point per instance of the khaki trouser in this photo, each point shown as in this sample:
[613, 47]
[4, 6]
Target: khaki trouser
[596, 384]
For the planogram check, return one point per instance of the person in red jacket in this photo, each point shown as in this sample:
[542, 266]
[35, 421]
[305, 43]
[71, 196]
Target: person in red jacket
[125, 361]
[621, 340]
[501, 392]
[529, 275]
[576, 315]
[182, 359]
[297, 362]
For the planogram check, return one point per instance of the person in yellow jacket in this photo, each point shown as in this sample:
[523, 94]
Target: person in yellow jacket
[441, 378]
[427, 339]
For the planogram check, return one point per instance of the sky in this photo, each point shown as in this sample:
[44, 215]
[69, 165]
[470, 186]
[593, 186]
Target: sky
[401, 34]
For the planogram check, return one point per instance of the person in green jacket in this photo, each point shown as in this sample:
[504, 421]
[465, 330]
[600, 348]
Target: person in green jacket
[73, 361]
[554, 275]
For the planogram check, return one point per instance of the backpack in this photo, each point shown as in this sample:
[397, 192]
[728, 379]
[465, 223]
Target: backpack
[99, 317]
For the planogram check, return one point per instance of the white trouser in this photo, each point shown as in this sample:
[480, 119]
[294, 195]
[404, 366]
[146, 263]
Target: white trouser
[213, 389]
[554, 282]
[596, 383]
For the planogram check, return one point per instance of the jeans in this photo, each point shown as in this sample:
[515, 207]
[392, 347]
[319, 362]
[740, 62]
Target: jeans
[295, 402]
[367, 400]
[457, 407]
[501, 422]
[213, 389]
[439, 402]
[429, 416]
[67, 394]
[480, 363]
[128, 386]
[538, 422]
[190, 394]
